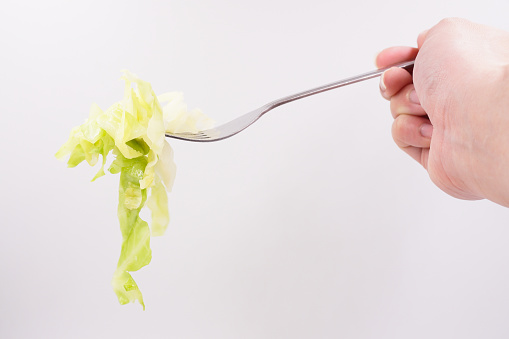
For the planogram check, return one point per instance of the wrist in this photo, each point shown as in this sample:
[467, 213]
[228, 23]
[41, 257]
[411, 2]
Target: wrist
[496, 174]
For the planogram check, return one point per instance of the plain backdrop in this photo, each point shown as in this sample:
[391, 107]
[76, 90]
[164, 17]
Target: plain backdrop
[309, 224]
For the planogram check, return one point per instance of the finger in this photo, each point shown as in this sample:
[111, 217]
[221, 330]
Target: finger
[393, 80]
[406, 102]
[413, 135]
[421, 38]
[421, 155]
[410, 130]
[394, 55]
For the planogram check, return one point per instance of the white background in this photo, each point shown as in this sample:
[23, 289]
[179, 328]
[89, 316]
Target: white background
[310, 224]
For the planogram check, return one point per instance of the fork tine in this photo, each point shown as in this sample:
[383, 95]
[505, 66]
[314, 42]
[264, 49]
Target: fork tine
[199, 136]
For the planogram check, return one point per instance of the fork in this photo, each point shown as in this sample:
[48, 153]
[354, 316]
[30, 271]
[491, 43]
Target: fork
[244, 121]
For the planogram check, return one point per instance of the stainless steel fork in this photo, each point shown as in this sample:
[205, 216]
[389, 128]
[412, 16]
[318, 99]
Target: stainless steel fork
[244, 121]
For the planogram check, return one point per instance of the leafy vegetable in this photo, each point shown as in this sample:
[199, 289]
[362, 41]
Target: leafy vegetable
[133, 131]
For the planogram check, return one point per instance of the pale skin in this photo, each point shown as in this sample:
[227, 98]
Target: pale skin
[453, 115]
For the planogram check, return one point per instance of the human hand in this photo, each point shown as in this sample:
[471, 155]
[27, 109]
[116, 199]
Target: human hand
[453, 115]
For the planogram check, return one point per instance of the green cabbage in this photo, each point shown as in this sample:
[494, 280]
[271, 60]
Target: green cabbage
[132, 130]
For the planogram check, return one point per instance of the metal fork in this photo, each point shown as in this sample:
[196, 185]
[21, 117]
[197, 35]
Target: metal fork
[244, 121]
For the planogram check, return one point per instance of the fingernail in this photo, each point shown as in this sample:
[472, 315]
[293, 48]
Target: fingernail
[426, 130]
[382, 83]
[412, 96]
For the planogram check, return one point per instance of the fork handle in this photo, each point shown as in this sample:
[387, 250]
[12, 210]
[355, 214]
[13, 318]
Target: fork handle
[408, 66]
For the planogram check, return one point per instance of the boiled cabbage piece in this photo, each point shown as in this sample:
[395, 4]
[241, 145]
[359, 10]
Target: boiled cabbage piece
[132, 131]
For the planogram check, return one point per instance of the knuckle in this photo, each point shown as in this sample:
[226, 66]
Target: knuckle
[398, 106]
[449, 23]
[399, 124]
[399, 130]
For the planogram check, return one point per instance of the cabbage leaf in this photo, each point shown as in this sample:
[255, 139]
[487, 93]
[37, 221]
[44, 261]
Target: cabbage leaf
[132, 131]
